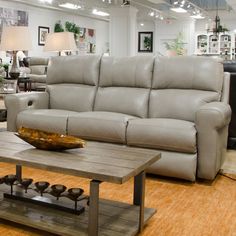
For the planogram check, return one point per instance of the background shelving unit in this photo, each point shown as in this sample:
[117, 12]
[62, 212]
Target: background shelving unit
[223, 45]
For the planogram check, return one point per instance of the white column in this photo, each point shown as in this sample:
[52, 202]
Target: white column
[123, 26]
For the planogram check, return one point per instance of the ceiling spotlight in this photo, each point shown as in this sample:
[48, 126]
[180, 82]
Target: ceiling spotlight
[142, 24]
[161, 17]
[188, 6]
[125, 3]
[151, 13]
[178, 9]
[46, 1]
[199, 16]
[70, 6]
[176, 2]
[100, 13]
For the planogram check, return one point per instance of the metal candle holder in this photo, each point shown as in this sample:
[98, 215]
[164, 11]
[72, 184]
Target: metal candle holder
[42, 187]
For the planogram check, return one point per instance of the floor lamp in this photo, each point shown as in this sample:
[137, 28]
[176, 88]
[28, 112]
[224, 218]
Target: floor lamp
[60, 41]
[15, 38]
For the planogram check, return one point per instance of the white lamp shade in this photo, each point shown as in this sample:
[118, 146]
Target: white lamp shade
[60, 41]
[15, 38]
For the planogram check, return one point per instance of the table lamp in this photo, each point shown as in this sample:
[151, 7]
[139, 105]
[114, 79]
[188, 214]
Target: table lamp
[60, 41]
[15, 38]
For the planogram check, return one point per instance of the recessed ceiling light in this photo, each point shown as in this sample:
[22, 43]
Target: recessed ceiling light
[178, 9]
[70, 6]
[46, 1]
[198, 16]
[142, 24]
[100, 13]
[151, 13]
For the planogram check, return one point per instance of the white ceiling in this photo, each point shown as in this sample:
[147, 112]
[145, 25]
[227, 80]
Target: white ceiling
[144, 7]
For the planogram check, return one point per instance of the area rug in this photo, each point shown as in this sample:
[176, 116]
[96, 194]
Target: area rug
[183, 208]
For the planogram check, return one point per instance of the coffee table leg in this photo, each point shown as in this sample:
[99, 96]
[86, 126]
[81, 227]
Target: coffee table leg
[139, 196]
[93, 208]
[19, 172]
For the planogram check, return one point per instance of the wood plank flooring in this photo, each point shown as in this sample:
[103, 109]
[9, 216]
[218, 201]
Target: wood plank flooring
[183, 208]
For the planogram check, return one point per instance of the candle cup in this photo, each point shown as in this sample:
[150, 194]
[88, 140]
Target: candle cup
[9, 180]
[25, 183]
[41, 186]
[2, 180]
[74, 194]
[57, 190]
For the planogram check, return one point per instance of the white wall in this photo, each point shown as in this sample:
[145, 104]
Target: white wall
[48, 18]
[123, 27]
[167, 31]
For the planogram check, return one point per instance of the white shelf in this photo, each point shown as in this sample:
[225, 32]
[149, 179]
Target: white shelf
[224, 44]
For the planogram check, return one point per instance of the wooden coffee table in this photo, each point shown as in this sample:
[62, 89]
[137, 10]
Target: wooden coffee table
[100, 162]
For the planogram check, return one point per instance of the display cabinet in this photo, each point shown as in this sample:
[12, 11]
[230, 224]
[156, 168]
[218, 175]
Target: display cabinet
[222, 44]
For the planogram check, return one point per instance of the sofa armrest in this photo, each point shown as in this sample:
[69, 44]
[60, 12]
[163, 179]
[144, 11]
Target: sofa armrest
[212, 120]
[16, 103]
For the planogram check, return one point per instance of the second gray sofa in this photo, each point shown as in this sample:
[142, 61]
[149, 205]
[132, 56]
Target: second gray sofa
[176, 105]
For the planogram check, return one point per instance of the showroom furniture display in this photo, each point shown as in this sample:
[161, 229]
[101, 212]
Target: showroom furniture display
[177, 105]
[230, 66]
[26, 82]
[38, 71]
[211, 44]
[99, 162]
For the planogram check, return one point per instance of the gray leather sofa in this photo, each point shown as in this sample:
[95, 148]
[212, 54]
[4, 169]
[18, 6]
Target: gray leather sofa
[176, 105]
[38, 71]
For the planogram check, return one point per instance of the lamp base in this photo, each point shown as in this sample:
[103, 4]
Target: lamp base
[14, 75]
[14, 72]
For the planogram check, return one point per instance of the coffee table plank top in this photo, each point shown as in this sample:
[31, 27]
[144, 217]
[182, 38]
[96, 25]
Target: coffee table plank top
[100, 161]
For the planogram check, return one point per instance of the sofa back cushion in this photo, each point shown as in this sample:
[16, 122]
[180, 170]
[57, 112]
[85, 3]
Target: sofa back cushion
[182, 84]
[37, 65]
[188, 72]
[74, 69]
[124, 85]
[38, 70]
[72, 82]
[37, 61]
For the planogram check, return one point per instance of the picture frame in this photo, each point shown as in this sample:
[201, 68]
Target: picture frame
[42, 33]
[145, 42]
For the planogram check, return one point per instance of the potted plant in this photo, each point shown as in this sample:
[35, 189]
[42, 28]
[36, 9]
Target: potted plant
[58, 27]
[72, 27]
[176, 47]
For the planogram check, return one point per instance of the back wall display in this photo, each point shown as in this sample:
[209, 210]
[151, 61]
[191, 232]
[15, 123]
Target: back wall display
[87, 40]
[10, 16]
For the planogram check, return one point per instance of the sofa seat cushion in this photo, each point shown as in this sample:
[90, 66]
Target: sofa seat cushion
[51, 120]
[165, 134]
[100, 126]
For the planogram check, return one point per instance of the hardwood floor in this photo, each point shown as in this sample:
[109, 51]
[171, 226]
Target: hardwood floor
[183, 208]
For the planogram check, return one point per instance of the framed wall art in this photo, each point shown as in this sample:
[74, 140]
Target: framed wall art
[42, 34]
[145, 42]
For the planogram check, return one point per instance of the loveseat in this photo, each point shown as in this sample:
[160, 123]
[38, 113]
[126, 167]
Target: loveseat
[176, 105]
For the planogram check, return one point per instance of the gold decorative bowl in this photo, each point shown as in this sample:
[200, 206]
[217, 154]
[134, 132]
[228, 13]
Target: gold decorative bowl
[49, 141]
